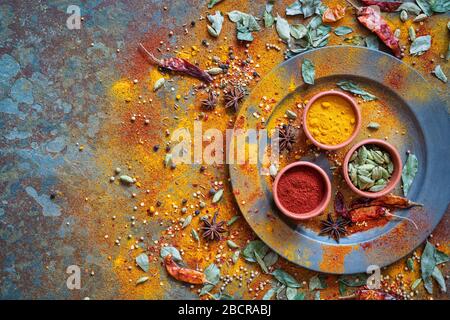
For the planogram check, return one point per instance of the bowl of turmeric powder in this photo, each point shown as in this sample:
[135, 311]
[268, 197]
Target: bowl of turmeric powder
[331, 120]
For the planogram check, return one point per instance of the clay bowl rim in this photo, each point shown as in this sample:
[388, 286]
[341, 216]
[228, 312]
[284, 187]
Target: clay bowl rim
[396, 175]
[355, 110]
[313, 213]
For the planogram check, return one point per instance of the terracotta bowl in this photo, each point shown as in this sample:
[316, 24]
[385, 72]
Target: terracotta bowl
[396, 175]
[352, 103]
[323, 204]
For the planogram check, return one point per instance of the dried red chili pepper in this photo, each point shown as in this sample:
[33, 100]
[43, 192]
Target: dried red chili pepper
[389, 200]
[333, 14]
[372, 20]
[339, 206]
[385, 6]
[178, 65]
[367, 213]
[183, 274]
[368, 294]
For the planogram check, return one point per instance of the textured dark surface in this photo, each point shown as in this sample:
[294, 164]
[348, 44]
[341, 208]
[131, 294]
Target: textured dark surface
[55, 98]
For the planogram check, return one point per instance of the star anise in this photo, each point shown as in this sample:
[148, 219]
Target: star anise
[210, 102]
[233, 96]
[334, 228]
[287, 136]
[212, 230]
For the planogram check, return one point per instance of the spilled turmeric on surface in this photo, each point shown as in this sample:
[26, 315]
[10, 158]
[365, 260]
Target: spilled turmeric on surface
[331, 120]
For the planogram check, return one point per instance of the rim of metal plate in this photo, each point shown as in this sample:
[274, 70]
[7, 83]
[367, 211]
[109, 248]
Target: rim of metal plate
[350, 257]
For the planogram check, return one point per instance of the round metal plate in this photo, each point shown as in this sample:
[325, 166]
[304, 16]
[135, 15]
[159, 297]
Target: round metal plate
[426, 125]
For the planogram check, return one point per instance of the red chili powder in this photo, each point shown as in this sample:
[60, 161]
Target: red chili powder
[301, 189]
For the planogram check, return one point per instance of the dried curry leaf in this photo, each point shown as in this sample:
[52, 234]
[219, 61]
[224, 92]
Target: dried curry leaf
[420, 45]
[172, 251]
[285, 278]
[355, 89]
[308, 71]
[283, 28]
[216, 21]
[254, 246]
[409, 172]
[342, 31]
[440, 74]
[212, 3]
[142, 261]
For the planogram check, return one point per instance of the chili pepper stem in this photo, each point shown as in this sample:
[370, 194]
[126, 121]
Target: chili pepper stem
[404, 218]
[149, 55]
[352, 4]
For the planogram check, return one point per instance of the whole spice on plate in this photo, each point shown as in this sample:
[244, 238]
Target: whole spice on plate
[334, 228]
[287, 136]
[331, 120]
[390, 201]
[301, 190]
[339, 206]
[370, 168]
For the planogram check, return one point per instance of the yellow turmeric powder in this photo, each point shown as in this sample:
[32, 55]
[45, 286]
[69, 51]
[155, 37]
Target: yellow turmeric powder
[331, 120]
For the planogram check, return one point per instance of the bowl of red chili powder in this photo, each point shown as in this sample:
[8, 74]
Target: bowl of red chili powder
[302, 190]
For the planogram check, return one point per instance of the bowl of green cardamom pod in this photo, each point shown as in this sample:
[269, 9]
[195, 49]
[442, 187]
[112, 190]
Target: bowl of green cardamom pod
[372, 168]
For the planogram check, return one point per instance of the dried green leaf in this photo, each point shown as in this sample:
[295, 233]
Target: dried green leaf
[260, 262]
[440, 74]
[437, 275]
[409, 7]
[257, 245]
[416, 283]
[291, 293]
[355, 89]
[216, 21]
[372, 42]
[342, 31]
[269, 294]
[212, 3]
[142, 261]
[425, 6]
[283, 28]
[420, 45]
[212, 274]
[294, 9]
[285, 278]
[270, 258]
[308, 71]
[409, 172]
[172, 251]
[317, 282]
[298, 31]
